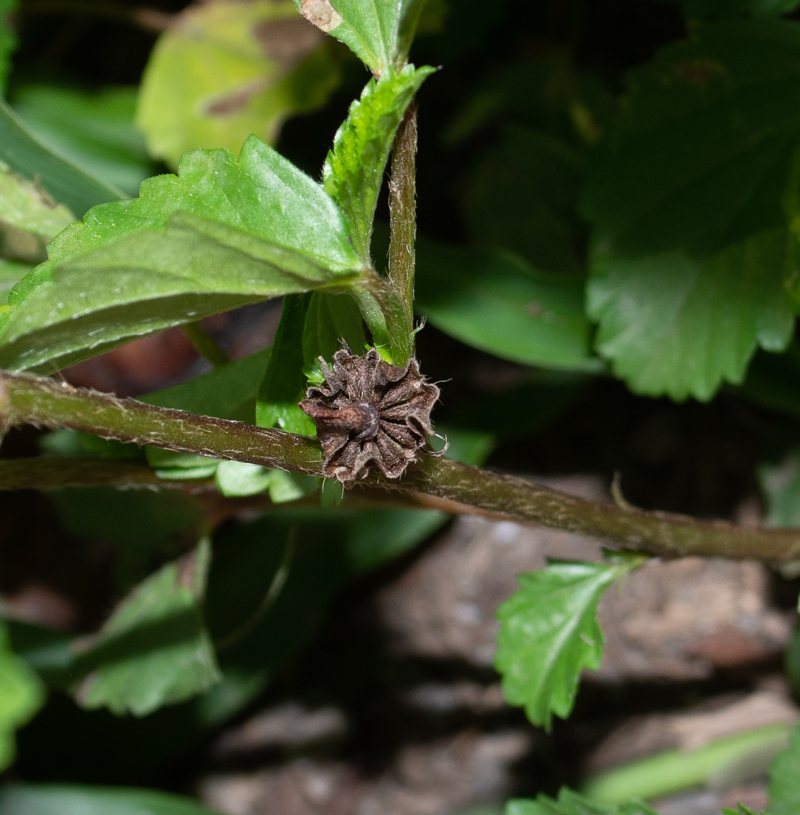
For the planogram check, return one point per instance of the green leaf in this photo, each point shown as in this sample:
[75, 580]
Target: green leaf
[571, 803]
[154, 650]
[495, 301]
[236, 478]
[63, 181]
[57, 799]
[26, 207]
[680, 325]
[225, 392]
[11, 272]
[780, 485]
[784, 792]
[686, 192]
[8, 42]
[549, 634]
[284, 382]
[161, 278]
[21, 695]
[741, 809]
[523, 196]
[711, 9]
[93, 130]
[329, 320]
[353, 171]
[378, 32]
[226, 70]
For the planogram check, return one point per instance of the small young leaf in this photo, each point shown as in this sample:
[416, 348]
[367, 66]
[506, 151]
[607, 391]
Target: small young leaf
[154, 650]
[353, 171]
[495, 301]
[571, 803]
[94, 130]
[329, 320]
[284, 382]
[549, 634]
[63, 181]
[784, 791]
[225, 70]
[21, 695]
[55, 799]
[680, 325]
[379, 32]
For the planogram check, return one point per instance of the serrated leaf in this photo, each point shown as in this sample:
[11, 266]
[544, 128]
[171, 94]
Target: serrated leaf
[784, 792]
[549, 633]
[226, 70]
[62, 180]
[72, 799]
[571, 803]
[154, 650]
[687, 185]
[378, 32]
[11, 272]
[353, 171]
[21, 695]
[680, 325]
[95, 130]
[495, 301]
[152, 280]
[329, 320]
[284, 382]
[8, 42]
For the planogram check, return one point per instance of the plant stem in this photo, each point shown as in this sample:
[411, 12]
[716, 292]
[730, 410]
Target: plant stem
[443, 484]
[403, 219]
[205, 344]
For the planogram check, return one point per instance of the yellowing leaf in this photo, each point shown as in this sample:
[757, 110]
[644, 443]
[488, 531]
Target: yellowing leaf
[226, 70]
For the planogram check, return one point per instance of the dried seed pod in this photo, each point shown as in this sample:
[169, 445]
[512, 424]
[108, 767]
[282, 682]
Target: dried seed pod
[369, 413]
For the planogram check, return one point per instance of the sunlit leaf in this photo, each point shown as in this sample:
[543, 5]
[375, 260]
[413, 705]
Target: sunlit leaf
[379, 32]
[353, 171]
[225, 70]
[549, 634]
[784, 791]
[571, 803]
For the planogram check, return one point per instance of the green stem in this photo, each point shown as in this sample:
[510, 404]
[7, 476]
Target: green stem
[205, 344]
[403, 216]
[455, 487]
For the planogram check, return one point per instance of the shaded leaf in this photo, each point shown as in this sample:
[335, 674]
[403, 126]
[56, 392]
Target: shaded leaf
[784, 792]
[284, 382]
[8, 42]
[549, 634]
[57, 799]
[21, 695]
[93, 130]
[154, 650]
[711, 9]
[353, 171]
[329, 320]
[226, 70]
[379, 32]
[571, 803]
[680, 325]
[780, 485]
[524, 196]
[686, 192]
[496, 302]
[63, 181]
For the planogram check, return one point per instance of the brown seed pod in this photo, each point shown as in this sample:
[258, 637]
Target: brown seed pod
[368, 414]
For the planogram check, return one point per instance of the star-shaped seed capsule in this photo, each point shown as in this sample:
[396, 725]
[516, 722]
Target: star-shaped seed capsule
[369, 413]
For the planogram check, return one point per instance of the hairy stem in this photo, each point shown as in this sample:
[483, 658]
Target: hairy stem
[403, 214]
[435, 482]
